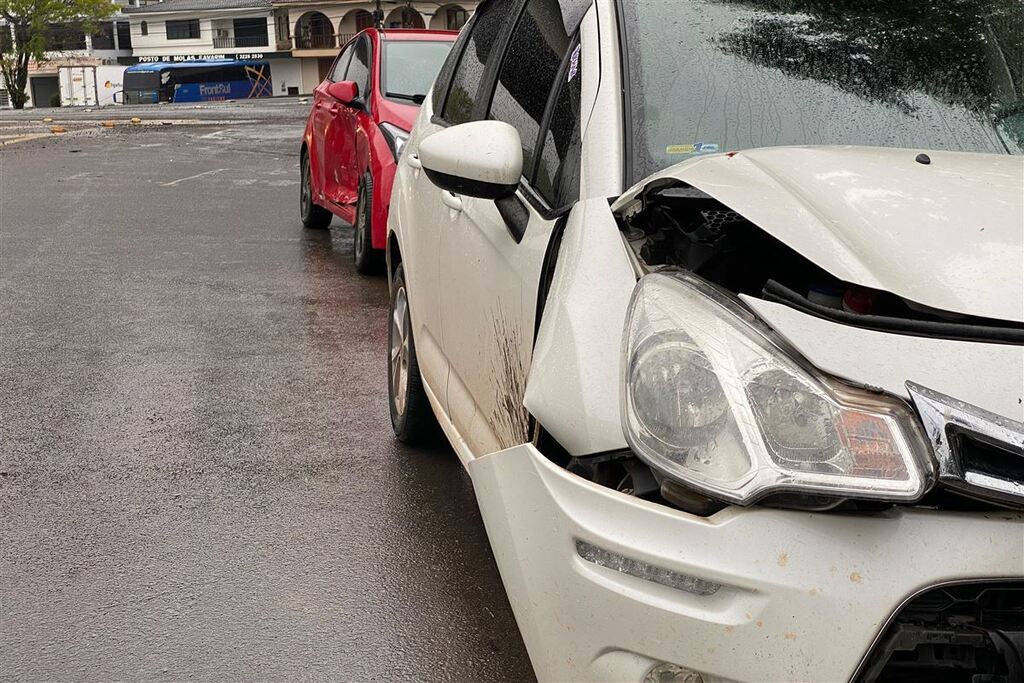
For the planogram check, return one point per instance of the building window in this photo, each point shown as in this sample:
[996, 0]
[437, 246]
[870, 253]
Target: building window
[250, 32]
[144, 27]
[186, 29]
[63, 37]
[124, 35]
[455, 19]
[103, 38]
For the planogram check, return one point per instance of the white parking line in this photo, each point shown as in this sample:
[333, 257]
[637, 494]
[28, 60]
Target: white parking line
[193, 177]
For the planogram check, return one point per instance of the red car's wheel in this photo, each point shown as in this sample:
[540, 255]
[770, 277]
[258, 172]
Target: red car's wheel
[368, 260]
[313, 217]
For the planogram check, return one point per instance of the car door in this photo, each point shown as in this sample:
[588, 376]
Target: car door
[348, 131]
[324, 110]
[491, 265]
[422, 215]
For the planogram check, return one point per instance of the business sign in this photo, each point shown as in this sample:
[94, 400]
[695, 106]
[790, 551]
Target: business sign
[149, 59]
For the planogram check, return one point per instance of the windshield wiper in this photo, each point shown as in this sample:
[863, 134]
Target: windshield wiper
[418, 99]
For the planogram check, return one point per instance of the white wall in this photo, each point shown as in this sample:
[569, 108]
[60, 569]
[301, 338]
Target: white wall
[285, 73]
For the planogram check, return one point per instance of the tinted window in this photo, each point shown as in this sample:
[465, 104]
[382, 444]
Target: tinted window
[182, 30]
[444, 77]
[458, 107]
[124, 35]
[341, 65]
[141, 80]
[410, 66]
[359, 67]
[103, 38]
[250, 32]
[210, 74]
[533, 62]
[558, 171]
[719, 75]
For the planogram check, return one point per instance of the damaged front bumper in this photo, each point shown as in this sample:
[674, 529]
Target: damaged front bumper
[606, 586]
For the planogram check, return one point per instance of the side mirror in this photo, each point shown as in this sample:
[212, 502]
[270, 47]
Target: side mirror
[345, 92]
[478, 159]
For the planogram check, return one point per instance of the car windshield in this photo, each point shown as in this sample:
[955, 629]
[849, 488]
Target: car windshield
[711, 76]
[410, 67]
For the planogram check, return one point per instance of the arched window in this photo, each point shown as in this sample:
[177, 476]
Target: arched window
[144, 27]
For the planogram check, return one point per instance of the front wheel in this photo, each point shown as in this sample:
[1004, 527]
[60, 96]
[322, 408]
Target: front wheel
[313, 217]
[411, 415]
[367, 259]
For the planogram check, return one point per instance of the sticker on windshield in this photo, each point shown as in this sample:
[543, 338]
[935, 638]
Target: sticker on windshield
[696, 148]
[574, 63]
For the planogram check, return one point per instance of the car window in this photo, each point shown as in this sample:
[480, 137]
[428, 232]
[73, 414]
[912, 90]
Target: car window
[359, 67]
[490, 18]
[444, 76]
[533, 63]
[410, 66]
[341, 65]
[558, 170]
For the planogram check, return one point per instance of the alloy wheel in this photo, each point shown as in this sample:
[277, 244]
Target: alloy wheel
[400, 350]
[360, 227]
[305, 199]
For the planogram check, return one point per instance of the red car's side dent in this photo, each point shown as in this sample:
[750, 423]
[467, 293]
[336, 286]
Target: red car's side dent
[372, 154]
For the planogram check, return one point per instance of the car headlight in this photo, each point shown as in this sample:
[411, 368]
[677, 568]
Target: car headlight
[396, 138]
[711, 399]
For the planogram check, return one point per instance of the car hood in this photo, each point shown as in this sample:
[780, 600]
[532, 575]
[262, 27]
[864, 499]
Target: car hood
[948, 234]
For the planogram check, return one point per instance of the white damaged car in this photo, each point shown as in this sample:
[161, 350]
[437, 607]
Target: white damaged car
[721, 305]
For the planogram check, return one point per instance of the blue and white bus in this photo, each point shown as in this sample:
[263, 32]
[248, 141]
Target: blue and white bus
[196, 81]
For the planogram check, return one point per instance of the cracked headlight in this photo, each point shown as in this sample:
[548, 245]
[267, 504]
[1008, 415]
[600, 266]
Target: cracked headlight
[710, 399]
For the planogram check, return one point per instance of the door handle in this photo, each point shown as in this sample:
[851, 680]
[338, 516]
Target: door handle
[414, 161]
[451, 200]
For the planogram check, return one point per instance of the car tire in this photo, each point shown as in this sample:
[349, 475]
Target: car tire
[411, 415]
[367, 259]
[313, 217]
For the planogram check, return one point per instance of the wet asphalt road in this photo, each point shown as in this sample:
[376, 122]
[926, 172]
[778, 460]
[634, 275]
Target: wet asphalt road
[197, 472]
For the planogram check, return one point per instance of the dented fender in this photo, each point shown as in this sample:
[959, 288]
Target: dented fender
[573, 385]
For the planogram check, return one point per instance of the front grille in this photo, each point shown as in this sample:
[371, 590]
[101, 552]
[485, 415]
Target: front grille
[968, 633]
[980, 454]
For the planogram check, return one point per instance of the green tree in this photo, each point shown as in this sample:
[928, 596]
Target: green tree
[29, 21]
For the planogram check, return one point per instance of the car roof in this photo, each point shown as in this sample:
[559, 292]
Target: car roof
[417, 34]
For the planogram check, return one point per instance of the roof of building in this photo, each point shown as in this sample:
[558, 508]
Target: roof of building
[318, 2]
[197, 5]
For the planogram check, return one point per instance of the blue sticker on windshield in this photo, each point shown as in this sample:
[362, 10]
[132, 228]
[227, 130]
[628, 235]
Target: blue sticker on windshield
[574, 63]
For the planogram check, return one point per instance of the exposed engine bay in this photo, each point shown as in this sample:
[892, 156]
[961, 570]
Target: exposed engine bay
[679, 225]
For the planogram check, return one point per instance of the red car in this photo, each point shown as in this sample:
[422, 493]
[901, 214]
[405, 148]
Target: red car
[361, 117]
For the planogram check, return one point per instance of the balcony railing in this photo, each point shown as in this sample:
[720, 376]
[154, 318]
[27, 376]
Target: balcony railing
[240, 41]
[321, 41]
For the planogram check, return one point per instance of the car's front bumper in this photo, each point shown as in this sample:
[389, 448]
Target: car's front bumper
[800, 597]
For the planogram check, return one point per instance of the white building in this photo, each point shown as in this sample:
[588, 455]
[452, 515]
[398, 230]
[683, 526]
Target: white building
[315, 29]
[182, 30]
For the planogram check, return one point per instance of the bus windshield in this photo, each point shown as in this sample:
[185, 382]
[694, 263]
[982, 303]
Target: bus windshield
[410, 67]
[710, 76]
